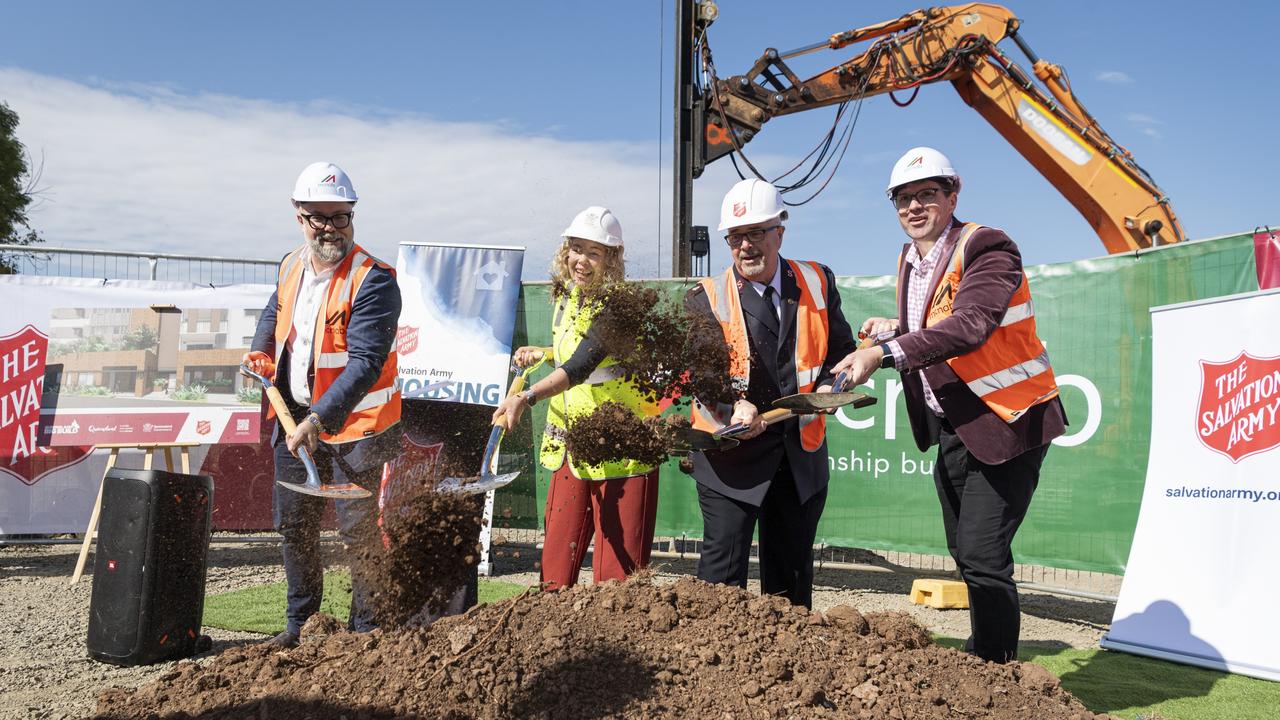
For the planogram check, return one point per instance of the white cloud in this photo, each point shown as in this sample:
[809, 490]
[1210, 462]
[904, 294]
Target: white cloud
[1114, 77]
[1146, 124]
[148, 168]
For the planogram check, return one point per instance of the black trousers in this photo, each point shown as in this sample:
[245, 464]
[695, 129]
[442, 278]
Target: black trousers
[982, 507]
[787, 531]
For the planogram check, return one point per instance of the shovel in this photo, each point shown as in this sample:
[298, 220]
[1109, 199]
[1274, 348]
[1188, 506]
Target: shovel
[489, 479]
[686, 440]
[779, 414]
[806, 403]
[344, 491]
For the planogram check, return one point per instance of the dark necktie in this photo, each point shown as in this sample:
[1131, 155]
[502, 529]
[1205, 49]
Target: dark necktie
[771, 315]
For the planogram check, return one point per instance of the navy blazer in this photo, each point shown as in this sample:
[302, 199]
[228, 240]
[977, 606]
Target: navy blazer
[745, 472]
[992, 273]
[371, 333]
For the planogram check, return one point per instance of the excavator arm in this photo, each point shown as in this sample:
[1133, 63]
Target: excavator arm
[959, 44]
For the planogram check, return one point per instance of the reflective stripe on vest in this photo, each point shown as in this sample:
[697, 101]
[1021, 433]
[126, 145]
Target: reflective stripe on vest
[1010, 372]
[570, 324]
[379, 409]
[812, 328]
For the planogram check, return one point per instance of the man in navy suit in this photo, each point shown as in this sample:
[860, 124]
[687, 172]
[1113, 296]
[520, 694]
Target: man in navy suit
[327, 337]
[783, 323]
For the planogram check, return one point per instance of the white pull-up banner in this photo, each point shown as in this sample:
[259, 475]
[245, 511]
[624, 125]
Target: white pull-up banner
[1201, 582]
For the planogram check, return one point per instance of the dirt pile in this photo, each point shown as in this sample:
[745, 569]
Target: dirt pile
[629, 650]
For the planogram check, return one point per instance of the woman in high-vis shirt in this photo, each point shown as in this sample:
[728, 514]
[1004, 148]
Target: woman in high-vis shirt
[614, 501]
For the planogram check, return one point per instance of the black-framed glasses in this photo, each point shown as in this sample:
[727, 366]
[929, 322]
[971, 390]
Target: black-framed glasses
[735, 240]
[318, 221]
[927, 196]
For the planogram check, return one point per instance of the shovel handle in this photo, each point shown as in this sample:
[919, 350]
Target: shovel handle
[770, 417]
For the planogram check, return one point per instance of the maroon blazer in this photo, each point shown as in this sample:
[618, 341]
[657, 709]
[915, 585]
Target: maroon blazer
[992, 272]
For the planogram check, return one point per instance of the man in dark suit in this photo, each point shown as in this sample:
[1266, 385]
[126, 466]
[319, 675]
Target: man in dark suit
[783, 322]
[977, 382]
[327, 337]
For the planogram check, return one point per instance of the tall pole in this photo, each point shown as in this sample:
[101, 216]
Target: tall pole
[682, 147]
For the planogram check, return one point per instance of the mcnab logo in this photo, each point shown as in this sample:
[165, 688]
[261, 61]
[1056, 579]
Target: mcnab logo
[1239, 413]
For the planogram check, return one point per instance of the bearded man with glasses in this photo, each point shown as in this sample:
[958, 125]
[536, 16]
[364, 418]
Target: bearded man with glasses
[782, 321]
[977, 382]
[326, 339]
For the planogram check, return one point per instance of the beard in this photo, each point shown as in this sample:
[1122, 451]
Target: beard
[329, 247]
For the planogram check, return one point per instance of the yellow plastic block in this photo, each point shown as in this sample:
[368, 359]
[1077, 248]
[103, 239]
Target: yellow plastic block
[940, 593]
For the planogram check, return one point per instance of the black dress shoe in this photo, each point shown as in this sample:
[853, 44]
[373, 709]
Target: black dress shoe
[283, 641]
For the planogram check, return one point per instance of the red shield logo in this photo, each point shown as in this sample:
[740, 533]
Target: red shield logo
[22, 360]
[1239, 410]
[406, 339]
[739, 209]
[203, 427]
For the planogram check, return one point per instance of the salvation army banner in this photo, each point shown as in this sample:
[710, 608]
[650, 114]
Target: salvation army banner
[1203, 555]
[84, 362]
[457, 320]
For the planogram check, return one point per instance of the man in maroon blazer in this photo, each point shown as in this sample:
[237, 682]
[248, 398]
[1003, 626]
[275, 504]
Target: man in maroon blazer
[977, 382]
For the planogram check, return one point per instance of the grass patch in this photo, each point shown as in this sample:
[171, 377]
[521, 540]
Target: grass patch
[261, 608]
[1140, 688]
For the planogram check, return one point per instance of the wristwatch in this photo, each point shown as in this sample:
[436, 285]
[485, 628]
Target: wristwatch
[888, 360]
[530, 397]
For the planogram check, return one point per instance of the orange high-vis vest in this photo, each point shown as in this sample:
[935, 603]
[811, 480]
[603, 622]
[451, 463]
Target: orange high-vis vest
[380, 407]
[810, 352]
[1010, 372]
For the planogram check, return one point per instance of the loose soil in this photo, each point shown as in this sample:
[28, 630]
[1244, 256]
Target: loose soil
[611, 431]
[427, 551]
[662, 349]
[629, 650]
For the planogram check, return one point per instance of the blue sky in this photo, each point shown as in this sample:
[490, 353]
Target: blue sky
[179, 127]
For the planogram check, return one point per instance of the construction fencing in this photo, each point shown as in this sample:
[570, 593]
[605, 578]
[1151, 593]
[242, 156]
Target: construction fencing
[1092, 314]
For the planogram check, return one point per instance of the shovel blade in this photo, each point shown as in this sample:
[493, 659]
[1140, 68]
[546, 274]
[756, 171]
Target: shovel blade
[476, 485]
[344, 491]
[812, 402]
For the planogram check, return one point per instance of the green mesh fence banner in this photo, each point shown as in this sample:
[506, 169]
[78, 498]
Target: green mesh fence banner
[1093, 317]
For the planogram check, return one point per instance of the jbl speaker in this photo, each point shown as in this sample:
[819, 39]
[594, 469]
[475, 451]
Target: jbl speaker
[149, 568]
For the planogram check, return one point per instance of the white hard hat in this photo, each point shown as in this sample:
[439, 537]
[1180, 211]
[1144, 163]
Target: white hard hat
[920, 163]
[749, 202]
[324, 182]
[597, 224]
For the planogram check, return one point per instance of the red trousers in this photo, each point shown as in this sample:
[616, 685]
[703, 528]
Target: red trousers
[620, 513]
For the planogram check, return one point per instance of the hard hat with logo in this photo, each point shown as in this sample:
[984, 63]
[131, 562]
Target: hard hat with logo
[597, 224]
[920, 163]
[323, 182]
[749, 202]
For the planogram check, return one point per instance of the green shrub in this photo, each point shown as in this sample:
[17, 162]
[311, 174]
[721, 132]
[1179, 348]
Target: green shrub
[92, 390]
[249, 396]
[190, 393]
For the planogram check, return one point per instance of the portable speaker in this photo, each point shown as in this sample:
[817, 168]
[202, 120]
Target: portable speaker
[149, 568]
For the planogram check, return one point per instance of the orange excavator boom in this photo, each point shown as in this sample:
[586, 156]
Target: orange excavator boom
[1044, 120]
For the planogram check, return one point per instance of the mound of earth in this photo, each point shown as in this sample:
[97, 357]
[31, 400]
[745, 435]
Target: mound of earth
[628, 650]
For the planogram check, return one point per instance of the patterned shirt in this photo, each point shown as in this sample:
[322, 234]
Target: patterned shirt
[918, 278]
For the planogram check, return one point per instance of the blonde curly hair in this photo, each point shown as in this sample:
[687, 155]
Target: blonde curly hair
[615, 269]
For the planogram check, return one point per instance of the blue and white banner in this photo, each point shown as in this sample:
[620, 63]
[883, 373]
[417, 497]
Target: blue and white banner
[457, 320]
[1201, 578]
